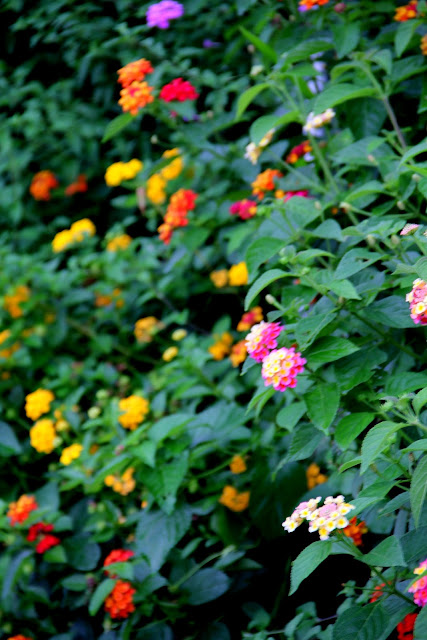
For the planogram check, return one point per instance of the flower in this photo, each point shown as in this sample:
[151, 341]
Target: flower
[219, 278]
[409, 229]
[119, 242]
[41, 185]
[12, 301]
[417, 299]
[159, 14]
[306, 5]
[314, 477]
[9, 351]
[174, 168]
[265, 182]
[180, 203]
[179, 89]
[134, 410]
[117, 172]
[20, 510]
[287, 195]
[19, 637]
[245, 209]
[237, 464]
[423, 45]
[78, 186]
[325, 519]
[38, 402]
[378, 592]
[146, 328]
[222, 346]
[238, 274]
[81, 228]
[42, 435]
[119, 603]
[62, 240]
[106, 300]
[251, 317]
[298, 152]
[314, 124]
[179, 334]
[134, 71]
[253, 151]
[170, 354]
[135, 96]
[281, 367]
[262, 339]
[117, 555]
[234, 500]
[355, 531]
[156, 186]
[41, 532]
[406, 627]
[238, 353]
[38, 528]
[419, 588]
[407, 12]
[47, 542]
[124, 484]
[70, 453]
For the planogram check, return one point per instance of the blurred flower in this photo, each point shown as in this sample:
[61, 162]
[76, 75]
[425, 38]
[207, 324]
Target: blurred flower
[174, 168]
[62, 240]
[306, 5]
[106, 300]
[38, 402]
[12, 301]
[8, 351]
[210, 44]
[180, 203]
[20, 510]
[221, 347]
[119, 604]
[237, 464]
[378, 592]
[300, 151]
[423, 45]
[265, 182]
[234, 500]
[314, 477]
[170, 354]
[41, 185]
[124, 484]
[417, 299]
[314, 123]
[71, 453]
[245, 209]
[238, 353]
[179, 334]
[19, 637]
[119, 242]
[405, 628]
[134, 71]
[78, 186]
[156, 186]
[253, 151]
[159, 14]
[179, 89]
[42, 532]
[251, 317]
[117, 555]
[219, 278]
[135, 97]
[281, 367]
[419, 588]
[325, 519]
[287, 195]
[317, 84]
[355, 531]
[77, 232]
[117, 172]
[407, 12]
[262, 339]
[134, 410]
[409, 229]
[47, 542]
[238, 275]
[146, 328]
[42, 435]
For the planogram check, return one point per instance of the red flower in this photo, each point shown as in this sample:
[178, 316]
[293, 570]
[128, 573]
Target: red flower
[78, 186]
[47, 542]
[117, 555]
[406, 627]
[119, 603]
[36, 529]
[41, 184]
[21, 509]
[179, 90]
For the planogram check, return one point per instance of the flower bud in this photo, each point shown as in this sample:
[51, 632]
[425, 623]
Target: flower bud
[346, 207]
[93, 412]
[154, 139]
[102, 394]
[251, 48]
[395, 240]
[400, 205]
[179, 334]
[372, 159]
[416, 177]
[371, 241]
[255, 70]
[318, 205]
[340, 7]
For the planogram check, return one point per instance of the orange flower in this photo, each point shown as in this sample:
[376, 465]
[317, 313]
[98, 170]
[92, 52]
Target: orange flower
[407, 12]
[136, 96]
[265, 182]
[423, 45]
[7, 352]
[21, 509]
[19, 637]
[378, 592]
[355, 531]
[146, 328]
[119, 603]
[253, 316]
[237, 464]
[238, 353]
[12, 301]
[314, 477]
[181, 202]
[234, 500]
[219, 278]
[222, 346]
[78, 186]
[297, 152]
[41, 184]
[134, 71]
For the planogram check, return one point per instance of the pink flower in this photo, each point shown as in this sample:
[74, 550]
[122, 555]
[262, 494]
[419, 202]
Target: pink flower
[245, 209]
[409, 229]
[291, 194]
[281, 367]
[262, 338]
[179, 90]
[419, 588]
[417, 299]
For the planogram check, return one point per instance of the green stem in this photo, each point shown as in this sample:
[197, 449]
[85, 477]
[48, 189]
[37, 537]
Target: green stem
[191, 572]
[321, 159]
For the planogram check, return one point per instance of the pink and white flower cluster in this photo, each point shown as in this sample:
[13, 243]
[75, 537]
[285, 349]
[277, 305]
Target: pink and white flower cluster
[325, 519]
[417, 299]
[262, 338]
[419, 588]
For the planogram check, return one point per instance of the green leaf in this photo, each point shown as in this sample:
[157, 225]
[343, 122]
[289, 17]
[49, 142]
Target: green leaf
[75, 582]
[308, 328]
[339, 93]
[55, 555]
[345, 289]
[354, 261]
[261, 250]
[157, 533]
[329, 229]
[101, 592]
[330, 349]
[350, 427]
[82, 554]
[116, 125]
[387, 553]
[146, 452]
[392, 311]
[289, 416]
[165, 480]
[418, 490]
[261, 283]
[397, 384]
[421, 147]
[322, 404]
[267, 52]
[420, 400]
[168, 427]
[420, 628]
[418, 445]
[403, 35]
[346, 38]
[376, 441]
[264, 124]
[260, 399]
[305, 441]
[248, 96]
[9, 444]
[414, 545]
[421, 268]
[361, 623]
[12, 572]
[307, 561]
[205, 585]
[354, 462]
[304, 50]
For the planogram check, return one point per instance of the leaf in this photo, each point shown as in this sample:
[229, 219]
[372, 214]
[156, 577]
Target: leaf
[376, 441]
[403, 35]
[75, 582]
[330, 349]
[11, 575]
[346, 38]
[329, 229]
[101, 592]
[349, 464]
[344, 289]
[339, 93]
[264, 124]
[261, 250]
[261, 283]
[305, 441]
[305, 49]
[82, 554]
[418, 490]
[146, 452]
[420, 400]
[116, 125]
[267, 52]
[308, 328]
[398, 384]
[248, 96]
[289, 416]
[421, 268]
[421, 147]
[206, 585]
[307, 561]
[322, 404]
[361, 623]
[168, 426]
[414, 545]
[420, 628]
[157, 533]
[354, 261]
[387, 553]
[9, 444]
[350, 427]
[391, 312]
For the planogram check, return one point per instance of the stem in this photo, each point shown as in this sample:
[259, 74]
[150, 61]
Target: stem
[387, 337]
[393, 121]
[321, 159]
[191, 572]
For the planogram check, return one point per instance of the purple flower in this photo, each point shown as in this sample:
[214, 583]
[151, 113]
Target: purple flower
[210, 44]
[158, 15]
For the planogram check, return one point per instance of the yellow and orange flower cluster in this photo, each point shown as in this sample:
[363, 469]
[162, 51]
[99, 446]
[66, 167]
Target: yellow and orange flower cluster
[181, 202]
[355, 531]
[253, 316]
[134, 410]
[20, 510]
[233, 499]
[236, 276]
[222, 347]
[13, 300]
[19, 637]
[238, 353]
[7, 351]
[170, 354]
[76, 233]
[38, 402]
[118, 172]
[314, 477]
[265, 182]
[156, 184]
[42, 435]
[407, 12]
[136, 93]
[237, 464]
[119, 242]
[42, 184]
[146, 328]
[423, 45]
[71, 453]
[106, 300]
[123, 484]
[306, 5]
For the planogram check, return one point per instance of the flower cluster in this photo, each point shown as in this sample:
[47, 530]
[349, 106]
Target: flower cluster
[19, 637]
[407, 12]
[323, 519]
[306, 5]
[233, 499]
[170, 353]
[419, 588]
[42, 184]
[222, 347]
[119, 242]
[314, 124]
[117, 172]
[123, 484]
[405, 629]
[76, 233]
[136, 93]
[423, 45]
[238, 353]
[78, 186]
[117, 555]
[134, 72]
[287, 195]
[417, 299]
[134, 410]
[41, 533]
[156, 184]
[355, 531]
[105, 300]
[409, 229]
[20, 510]
[179, 90]
[146, 328]
[262, 339]
[281, 367]
[237, 464]
[245, 209]
[38, 402]
[7, 351]
[119, 604]
[265, 182]
[300, 151]
[159, 14]
[12, 301]
[253, 151]
[251, 317]
[180, 203]
[42, 435]
[71, 453]
[314, 477]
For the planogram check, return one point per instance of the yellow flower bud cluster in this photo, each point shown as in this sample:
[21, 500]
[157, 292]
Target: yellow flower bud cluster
[119, 171]
[42, 435]
[134, 410]
[236, 276]
[119, 242]
[7, 351]
[71, 453]
[38, 402]
[145, 328]
[122, 484]
[156, 184]
[76, 233]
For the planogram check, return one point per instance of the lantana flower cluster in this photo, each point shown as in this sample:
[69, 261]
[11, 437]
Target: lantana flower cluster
[146, 328]
[160, 14]
[417, 299]
[245, 209]
[406, 12]
[307, 5]
[42, 184]
[253, 151]
[42, 534]
[264, 182]
[301, 150]
[236, 276]
[157, 183]
[76, 233]
[12, 301]
[119, 603]
[180, 203]
[234, 500]
[119, 242]
[314, 124]
[123, 484]
[20, 510]
[134, 409]
[419, 588]
[324, 519]
[117, 172]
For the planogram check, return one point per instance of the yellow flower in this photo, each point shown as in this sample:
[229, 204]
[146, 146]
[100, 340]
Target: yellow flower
[109, 480]
[42, 436]
[237, 464]
[124, 484]
[170, 354]
[234, 500]
[145, 328]
[7, 352]
[156, 189]
[222, 347]
[179, 334]
[113, 174]
[219, 278]
[62, 240]
[131, 168]
[71, 453]
[238, 274]
[38, 402]
[174, 168]
[119, 242]
[82, 227]
[135, 409]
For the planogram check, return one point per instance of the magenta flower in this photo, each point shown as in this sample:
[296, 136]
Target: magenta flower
[409, 229]
[281, 367]
[417, 299]
[159, 15]
[245, 209]
[262, 338]
[419, 588]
